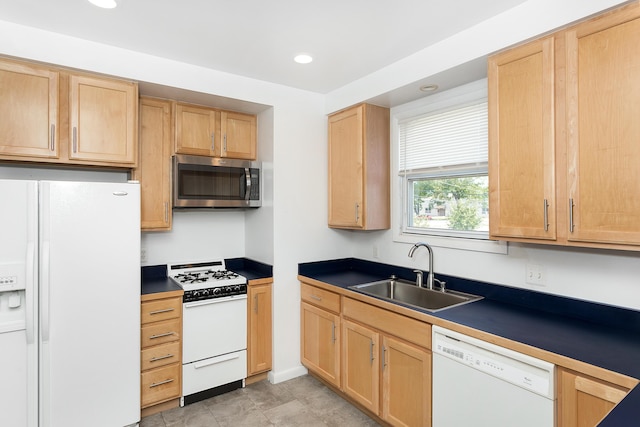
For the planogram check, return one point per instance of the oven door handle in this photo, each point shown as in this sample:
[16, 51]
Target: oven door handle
[216, 360]
[214, 301]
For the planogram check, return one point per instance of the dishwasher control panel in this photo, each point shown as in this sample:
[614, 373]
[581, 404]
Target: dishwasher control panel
[519, 369]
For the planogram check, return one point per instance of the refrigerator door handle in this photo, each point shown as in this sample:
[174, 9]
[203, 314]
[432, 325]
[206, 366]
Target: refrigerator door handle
[29, 292]
[44, 288]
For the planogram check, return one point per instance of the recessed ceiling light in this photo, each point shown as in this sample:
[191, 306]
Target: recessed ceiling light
[429, 88]
[106, 4]
[303, 58]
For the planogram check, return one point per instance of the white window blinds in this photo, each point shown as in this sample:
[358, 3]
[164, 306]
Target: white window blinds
[449, 138]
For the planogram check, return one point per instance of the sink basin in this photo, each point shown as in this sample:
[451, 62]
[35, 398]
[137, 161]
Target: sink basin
[408, 293]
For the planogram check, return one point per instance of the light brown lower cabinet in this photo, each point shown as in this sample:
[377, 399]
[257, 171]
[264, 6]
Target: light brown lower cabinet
[389, 377]
[259, 311]
[161, 351]
[320, 343]
[583, 401]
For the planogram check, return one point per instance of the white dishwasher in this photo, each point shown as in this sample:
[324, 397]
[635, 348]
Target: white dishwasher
[476, 383]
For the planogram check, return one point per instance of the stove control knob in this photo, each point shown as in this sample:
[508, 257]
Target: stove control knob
[206, 292]
[216, 291]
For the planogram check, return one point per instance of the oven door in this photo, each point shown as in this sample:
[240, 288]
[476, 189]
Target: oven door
[214, 327]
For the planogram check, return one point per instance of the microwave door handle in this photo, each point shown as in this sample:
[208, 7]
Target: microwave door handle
[247, 175]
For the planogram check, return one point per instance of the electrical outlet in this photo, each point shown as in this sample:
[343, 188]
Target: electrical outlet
[535, 274]
[375, 251]
[143, 255]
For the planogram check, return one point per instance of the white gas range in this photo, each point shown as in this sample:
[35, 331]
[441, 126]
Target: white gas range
[214, 343]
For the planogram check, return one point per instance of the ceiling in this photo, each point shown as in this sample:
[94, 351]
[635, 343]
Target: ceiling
[348, 39]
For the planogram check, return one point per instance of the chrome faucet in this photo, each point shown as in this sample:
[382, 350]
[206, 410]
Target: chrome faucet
[430, 275]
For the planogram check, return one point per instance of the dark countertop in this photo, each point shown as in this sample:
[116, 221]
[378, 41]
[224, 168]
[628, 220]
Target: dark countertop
[154, 278]
[596, 334]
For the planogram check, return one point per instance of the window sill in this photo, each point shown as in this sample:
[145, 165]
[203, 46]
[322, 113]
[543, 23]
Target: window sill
[477, 245]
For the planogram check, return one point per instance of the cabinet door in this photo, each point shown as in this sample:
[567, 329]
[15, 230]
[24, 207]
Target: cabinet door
[361, 367]
[603, 130]
[259, 345]
[29, 111]
[103, 120]
[197, 130]
[321, 343]
[521, 142]
[406, 379]
[346, 168]
[238, 135]
[154, 167]
[584, 401]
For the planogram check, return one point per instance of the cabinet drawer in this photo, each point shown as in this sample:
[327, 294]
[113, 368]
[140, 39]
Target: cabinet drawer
[160, 333]
[320, 297]
[160, 384]
[160, 355]
[409, 329]
[155, 311]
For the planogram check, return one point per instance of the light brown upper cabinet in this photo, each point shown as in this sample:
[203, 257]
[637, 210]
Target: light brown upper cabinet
[522, 142]
[55, 115]
[197, 130]
[359, 168]
[238, 135]
[564, 158]
[154, 167]
[103, 120]
[29, 111]
[206, 131]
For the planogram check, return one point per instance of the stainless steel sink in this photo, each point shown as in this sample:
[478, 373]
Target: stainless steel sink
[408, 293]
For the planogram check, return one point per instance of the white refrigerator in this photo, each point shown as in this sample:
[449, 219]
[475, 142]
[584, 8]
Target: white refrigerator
[69, 304]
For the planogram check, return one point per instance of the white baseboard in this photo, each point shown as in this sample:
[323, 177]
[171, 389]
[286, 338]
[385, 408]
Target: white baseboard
[276, 377]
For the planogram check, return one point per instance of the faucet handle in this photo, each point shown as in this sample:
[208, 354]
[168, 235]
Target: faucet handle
[418, 278]
[441, 284]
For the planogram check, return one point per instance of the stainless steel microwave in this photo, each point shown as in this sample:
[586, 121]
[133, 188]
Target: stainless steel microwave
[208, 182]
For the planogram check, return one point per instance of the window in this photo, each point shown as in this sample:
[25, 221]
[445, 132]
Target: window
[441, 164]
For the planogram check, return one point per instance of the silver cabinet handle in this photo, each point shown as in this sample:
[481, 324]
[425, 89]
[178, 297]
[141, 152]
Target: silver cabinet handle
[333, 332]
[357, 211]
[213, 142]
[546, 215]
[75, 139]
[384, 359]
[166, 310]
[225, 142]
[316, 297]
[167, 334]
[255, 304]
[161, 383]
[166, 212]
[167, 356]
[571, 224]
[53, 138]
[371, 352]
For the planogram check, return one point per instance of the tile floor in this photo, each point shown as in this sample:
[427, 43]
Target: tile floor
[302, 401]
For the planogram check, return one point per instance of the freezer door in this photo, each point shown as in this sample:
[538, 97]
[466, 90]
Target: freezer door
[18, 296]
[90, 304]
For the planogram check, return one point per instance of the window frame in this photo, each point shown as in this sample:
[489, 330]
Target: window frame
[457, 97]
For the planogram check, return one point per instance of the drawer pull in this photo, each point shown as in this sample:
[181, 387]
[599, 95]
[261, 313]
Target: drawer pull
[166, 356]
[161, 383]
[166, 310]
[216, 360]
[316, 297]
[167, 334]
